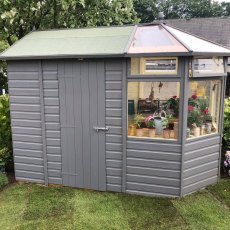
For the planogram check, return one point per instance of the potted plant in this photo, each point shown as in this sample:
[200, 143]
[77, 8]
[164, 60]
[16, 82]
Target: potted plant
[138, 120]
[150, 123]
[173, 104]
[165, 122]
[194, 120]
[208, 121]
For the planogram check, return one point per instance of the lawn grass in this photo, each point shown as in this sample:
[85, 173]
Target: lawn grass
[31, 206]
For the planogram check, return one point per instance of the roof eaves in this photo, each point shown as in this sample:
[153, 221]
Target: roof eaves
[168, 54]
[83, 56]
[2, 53]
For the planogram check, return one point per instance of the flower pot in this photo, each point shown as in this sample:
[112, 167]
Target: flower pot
[172, 134]
[139, 132]
[202, 130]
[152, 132]
[145, 132]
[196, 132]
[188, 131]
[132, 130]
[176, 129]
[166, 133]
[209, 128]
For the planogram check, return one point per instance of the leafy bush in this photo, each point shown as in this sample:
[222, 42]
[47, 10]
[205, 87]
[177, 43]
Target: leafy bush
[6, 156]
[3, 180]
[226, 134]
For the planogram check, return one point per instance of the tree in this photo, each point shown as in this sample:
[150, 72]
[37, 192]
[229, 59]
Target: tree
[147, 10]
[18, 17]
[173, 9]
[226, 8]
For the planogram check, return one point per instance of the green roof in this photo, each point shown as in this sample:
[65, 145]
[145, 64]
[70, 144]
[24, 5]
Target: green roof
[72, 42]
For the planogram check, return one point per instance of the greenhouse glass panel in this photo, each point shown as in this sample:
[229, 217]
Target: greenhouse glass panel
[203, 108]
[153, 110]
[154, 39]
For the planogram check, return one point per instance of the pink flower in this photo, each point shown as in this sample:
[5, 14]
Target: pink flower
[206, 111]
[190, 108]
[194, 96]
[147, 119]
[174, 97]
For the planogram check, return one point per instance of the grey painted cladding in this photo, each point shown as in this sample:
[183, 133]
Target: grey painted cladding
[113, 106]
[24, 89]
[200, 164]
[132, 165]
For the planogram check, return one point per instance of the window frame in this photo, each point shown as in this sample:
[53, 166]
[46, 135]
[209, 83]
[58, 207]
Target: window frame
[222, 90]
[156, 75]
[205, 75]
[179, 77]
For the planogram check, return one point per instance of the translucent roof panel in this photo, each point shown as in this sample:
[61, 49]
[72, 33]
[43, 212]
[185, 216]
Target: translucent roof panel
[196, 44]
[154, 39]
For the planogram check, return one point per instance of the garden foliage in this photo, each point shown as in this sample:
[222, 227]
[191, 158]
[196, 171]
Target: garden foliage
[5, 133]
[3, 180]
[226, 134]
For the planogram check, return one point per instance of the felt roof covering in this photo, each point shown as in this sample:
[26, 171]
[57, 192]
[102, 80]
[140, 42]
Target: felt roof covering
[154, 39]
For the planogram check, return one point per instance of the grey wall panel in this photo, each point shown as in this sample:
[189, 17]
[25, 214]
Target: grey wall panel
[197, 144]
[53, 134]
[26, 130]
[23, 66]
[52, 120]
[200, 168]
[25, 123]
[28, 160]
[200, 163]
[24, 90]
[151, 188]
[51, 93]
[29, 138]
[25, 99]
[23, 84]
[169, 147]
[26, 115]
[28, 153]
[25, 108]
[145, 171]
[153, 168]
[30, 75]
[28, 167]
[200, 184]
[113, 93]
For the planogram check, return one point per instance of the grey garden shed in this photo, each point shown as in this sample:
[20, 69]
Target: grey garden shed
[135, 109]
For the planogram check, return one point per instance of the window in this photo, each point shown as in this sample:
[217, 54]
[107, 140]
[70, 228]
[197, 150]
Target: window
[153, 66]
[207, 66]
[203, 108]
[153, 110]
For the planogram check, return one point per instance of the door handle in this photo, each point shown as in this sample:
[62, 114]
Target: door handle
[97, 129]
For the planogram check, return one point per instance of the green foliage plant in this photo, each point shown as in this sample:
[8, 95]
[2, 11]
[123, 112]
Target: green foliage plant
[138, 120]
[226, 131]
[151, 124]
[166, 121]
[3, 180]
[173, 104]
[5, 131]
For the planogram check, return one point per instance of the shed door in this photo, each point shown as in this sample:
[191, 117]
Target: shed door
[82, 108]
